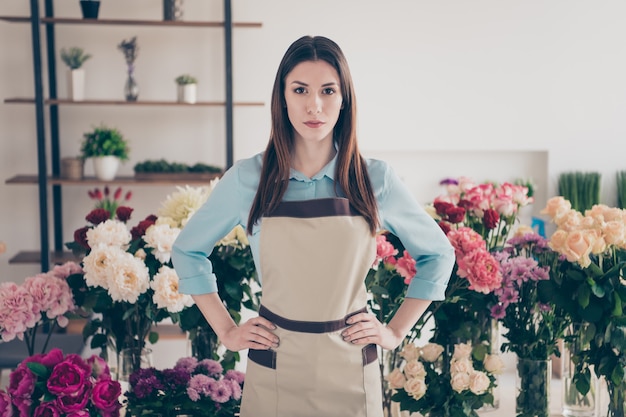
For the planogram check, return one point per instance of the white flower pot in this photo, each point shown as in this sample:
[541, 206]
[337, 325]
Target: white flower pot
[106, 167]
[187, 93]
[76, 84]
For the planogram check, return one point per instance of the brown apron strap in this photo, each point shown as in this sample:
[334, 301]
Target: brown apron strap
[267, 358]
[307, 326]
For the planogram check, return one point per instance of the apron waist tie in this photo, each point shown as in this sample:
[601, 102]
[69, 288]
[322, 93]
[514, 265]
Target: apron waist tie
[307, 326]
[267, 358]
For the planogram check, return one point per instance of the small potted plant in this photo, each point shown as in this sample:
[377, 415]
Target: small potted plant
[186, 88]
[90, 8]
[106, 147]
[74, 58]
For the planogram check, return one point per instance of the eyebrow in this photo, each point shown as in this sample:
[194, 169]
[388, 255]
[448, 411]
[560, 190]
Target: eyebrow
[306, 85]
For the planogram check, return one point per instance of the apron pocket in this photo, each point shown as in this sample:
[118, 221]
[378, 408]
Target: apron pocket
[263, 357]
[370, 354]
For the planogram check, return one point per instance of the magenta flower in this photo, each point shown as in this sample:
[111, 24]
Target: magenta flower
[105, 395]
[235, 375]
[47, 409]
[5, 404]
[200, 386]
[76, 402]
[67, 378]
[188, 363]
[99, 368]
[210, 367]
[21, 382]
[221, 392]
[498, 311]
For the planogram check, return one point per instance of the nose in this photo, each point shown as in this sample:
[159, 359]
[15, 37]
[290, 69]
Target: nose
[314, 104]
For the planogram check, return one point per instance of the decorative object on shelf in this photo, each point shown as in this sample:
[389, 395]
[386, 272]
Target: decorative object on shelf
[130, 50]
[55, 384]
[172, 9]
[581, 189]
[90, 8]
[232, 264]
[191, 387]
[72, 168]
[41, 301]
[589, 284]
[620, 179]
[74, 58]
[575, 404]
[162, 169]
[104, 199]
[107, 147]
[128, 279]
[533, 387]
[441, 382]
[186, 88]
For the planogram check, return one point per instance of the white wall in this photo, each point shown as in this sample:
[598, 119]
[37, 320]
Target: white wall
[454, 87]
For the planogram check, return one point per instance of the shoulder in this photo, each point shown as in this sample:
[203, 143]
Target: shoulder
[246, 171]
[379, 172]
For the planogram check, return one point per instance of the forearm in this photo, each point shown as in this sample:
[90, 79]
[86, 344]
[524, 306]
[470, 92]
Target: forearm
[215, 313]
[407, 315]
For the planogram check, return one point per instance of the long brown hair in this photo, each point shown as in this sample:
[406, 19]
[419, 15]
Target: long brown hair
[351, 171]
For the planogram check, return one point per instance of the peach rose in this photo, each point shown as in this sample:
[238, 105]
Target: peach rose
[415, 387]
[557, 241]
[431, 352]
[479, 382]
[396, 379]
[463, 365]
[410, 352]
[569, 221]
[414, 369]
[493, 364]
[460, 382]
[556, 206]
[462, 350]
[614, 232]
[578, 246]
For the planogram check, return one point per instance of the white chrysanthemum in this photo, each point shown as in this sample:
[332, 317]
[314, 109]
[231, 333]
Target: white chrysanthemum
[166, 220]
[182, 204]
[161, 237]
[129, 278]
[110, 233]
[237, 238]
[166, 295]
[99, 264]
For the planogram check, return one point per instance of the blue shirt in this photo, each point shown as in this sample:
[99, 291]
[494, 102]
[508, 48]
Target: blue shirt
[229, 205]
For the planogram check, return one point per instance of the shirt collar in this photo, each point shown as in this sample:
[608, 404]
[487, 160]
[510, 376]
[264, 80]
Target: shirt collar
[327, 171]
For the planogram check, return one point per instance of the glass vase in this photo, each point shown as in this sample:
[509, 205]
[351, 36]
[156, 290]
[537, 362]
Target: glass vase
[575, 404]
[131, 88]
[617, 399]
[533, 387]
[203, 343]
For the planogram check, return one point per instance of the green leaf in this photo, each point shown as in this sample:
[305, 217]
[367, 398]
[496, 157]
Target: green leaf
[377, 289]
[617, 305]
[596, 289]
[617, 376]
[582, 382]
[583, 295]
[38, 369]
[153, 337]
[99, 341]
[618, 338]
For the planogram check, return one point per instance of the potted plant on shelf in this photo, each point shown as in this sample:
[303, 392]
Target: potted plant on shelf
[106, 147]
[186, 88]
[74, 58]
[90, 8]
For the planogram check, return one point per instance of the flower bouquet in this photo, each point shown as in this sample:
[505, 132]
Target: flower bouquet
[589, 285]
[198, 388]
[56, 385]
[441, 383]
[43, 301]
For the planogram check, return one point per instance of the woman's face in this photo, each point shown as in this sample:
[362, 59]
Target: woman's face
[313, 98]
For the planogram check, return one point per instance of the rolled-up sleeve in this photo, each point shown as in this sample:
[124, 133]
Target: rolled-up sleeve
[214, 220]
[422, 237]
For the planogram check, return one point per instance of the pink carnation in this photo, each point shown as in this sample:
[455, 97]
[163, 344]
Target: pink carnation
[17, 311]
[481, 270]
[52, 296]
[406, 267]
[67, 269]
[384, 249]
[465, 240]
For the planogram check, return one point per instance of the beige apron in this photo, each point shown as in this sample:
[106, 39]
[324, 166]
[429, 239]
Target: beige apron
[314, 257]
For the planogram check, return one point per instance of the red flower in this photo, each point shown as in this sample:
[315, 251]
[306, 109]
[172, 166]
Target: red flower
[118, 193]
[456, 214]
[491, 219]
[97, 216]
[442, 207]
[80, 237]
[140, 230]
[123, 213]
[445, 226]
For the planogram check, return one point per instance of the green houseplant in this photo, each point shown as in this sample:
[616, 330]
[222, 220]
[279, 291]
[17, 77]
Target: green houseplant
[187, 87]
[74, 58]
[106, 147]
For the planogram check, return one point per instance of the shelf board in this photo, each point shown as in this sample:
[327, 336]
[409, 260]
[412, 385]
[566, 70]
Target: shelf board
[129, 22]
[62, 102]
[34, 257]
[33, 180]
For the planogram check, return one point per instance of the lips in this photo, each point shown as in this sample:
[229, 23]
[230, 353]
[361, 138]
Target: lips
[314, 123]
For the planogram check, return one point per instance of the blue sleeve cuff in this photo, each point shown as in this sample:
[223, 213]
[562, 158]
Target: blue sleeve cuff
[426, 290]
[199, 284]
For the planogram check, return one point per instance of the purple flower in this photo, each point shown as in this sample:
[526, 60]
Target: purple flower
[448, 181]
[209, 367]
[509, 296]
[222, 392]
[5, 404]
[174, 378]
[235, 376]
[146, 387]
[544, 307]
[188, 363]
[47, 409]
[200, 385]
[236, 389]
[498, 311]
[143, 373]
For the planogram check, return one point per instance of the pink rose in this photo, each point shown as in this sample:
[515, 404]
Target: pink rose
[73, 403]
[47, 409]
[105, 395]
[99, 367]
[67, 378]
[21, 382]
[384, 249]
[406, 267]
[79, 413]
[6, 409]
[50, 359]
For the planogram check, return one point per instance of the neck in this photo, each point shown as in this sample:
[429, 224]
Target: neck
[309, 159]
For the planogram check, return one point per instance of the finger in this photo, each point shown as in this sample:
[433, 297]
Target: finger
[262, 321]
[258, 346]
[359, 317]
[264, 336]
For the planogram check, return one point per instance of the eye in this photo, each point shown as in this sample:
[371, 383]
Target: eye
[329, 91]
[299, 90]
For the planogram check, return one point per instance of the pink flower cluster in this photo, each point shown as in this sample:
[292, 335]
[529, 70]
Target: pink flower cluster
[386, 256]
[475, 263]
[53, 385]
[40, 298]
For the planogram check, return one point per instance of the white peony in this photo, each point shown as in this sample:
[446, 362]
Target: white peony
[97, 265]
[128, 278]
[182, 204]
[161, 237]
[110, 233]
[166, 295]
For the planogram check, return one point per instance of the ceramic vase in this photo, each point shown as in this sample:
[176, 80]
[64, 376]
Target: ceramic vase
[105, 167]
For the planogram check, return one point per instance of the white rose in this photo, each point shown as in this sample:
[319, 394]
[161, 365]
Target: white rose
[463, 365]
[460, 382]
[414, 368]
[431, 352]
[410, 352]
[479, 382]
[415, 387]
[396, 379]
[462, 350]
[493, 364]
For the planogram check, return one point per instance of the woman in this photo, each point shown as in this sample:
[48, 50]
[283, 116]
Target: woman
[312, 206]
